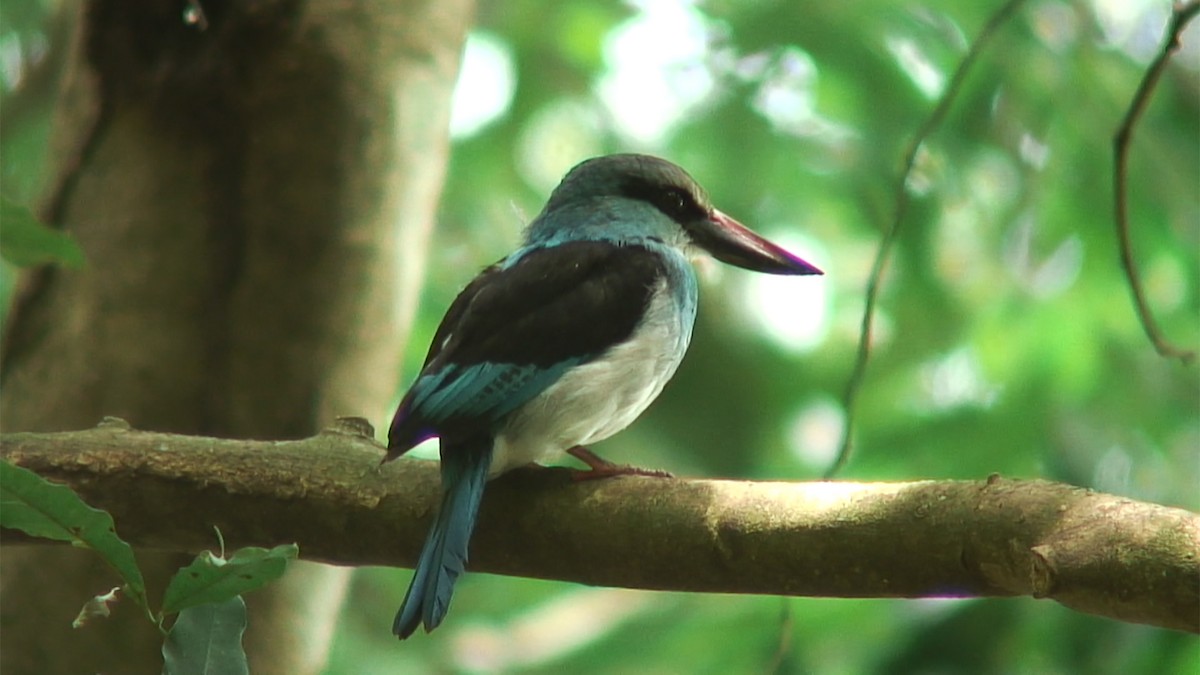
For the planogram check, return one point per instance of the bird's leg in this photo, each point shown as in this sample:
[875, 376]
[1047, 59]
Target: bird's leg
[598, 467]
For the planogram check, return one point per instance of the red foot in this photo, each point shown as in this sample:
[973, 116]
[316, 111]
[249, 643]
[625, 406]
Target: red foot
[598, 467]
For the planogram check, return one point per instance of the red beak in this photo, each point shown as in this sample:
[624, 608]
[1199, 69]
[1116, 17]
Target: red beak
[731, 242]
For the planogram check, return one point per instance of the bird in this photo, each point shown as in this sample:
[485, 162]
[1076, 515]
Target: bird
[562, 343]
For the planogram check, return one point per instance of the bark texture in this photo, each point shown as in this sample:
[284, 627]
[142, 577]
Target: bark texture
[1094, 552]
[247, 195]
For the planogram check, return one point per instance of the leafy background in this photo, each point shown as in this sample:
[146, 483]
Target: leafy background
[1006, 342]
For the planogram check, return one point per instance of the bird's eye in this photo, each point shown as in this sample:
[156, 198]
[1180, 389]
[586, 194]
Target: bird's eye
[676, 203]
[678, 199]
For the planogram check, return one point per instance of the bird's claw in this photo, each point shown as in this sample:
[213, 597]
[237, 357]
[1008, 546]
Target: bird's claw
[598, 467]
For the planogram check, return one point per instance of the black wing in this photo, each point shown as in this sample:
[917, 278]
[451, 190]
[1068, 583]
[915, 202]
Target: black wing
[514, 330]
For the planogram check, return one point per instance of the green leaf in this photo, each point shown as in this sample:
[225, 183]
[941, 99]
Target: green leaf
[25, 242]
[212, 579]
[207, 639]
[39, 508]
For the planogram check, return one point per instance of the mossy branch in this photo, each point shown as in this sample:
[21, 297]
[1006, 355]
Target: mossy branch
[1094, 552]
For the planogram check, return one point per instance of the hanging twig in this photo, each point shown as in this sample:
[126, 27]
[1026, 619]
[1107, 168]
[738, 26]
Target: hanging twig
[882, 255]
[1182, 14]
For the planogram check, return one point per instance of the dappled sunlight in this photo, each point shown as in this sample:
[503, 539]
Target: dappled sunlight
[485, 86]
[543, 633]
[964, 233]
[555, 138]
[12, 62]
[1055, 24]
[955, 380]
[792, 312]
[1113, 471]
[917, 66]
[656, 69]
[992, 180]
[1042, 275]
[787, 96]
[1134, 26]
[815, 433]
[1033, 151]
[1166, 282]
[961, 255]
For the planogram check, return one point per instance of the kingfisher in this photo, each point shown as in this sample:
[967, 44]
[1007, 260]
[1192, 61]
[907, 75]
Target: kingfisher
[562, 343]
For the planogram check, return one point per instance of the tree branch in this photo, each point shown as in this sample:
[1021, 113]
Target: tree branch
[1094, 552]
[1180, 16]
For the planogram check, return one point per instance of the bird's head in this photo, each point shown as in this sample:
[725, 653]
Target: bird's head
[625, 197]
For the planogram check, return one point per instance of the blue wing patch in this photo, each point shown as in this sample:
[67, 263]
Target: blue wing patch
[484, 391]
[476, 397]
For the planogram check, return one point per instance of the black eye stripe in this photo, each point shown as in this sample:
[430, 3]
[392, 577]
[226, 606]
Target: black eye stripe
[676, 198]
[672, 200]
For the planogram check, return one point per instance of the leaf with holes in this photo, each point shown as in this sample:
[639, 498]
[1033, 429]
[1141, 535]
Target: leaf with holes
[214, 579]
[39, 508]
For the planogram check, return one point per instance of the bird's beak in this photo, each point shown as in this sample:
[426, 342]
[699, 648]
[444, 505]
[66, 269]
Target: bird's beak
[731, 242]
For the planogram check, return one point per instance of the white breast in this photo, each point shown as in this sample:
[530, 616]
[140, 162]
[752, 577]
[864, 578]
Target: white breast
[596, 400]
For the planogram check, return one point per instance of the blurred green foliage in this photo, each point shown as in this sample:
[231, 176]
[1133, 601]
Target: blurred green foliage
[1007, 340]
[25, 242]
[1007, 337]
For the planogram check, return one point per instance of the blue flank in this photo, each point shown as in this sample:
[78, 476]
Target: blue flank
[444, 555]
[484, 391]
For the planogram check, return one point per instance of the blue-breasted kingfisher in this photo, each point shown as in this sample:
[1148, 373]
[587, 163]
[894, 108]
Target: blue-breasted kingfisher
[562, 343]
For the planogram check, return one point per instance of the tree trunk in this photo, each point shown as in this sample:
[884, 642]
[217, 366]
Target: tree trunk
[247, 189]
